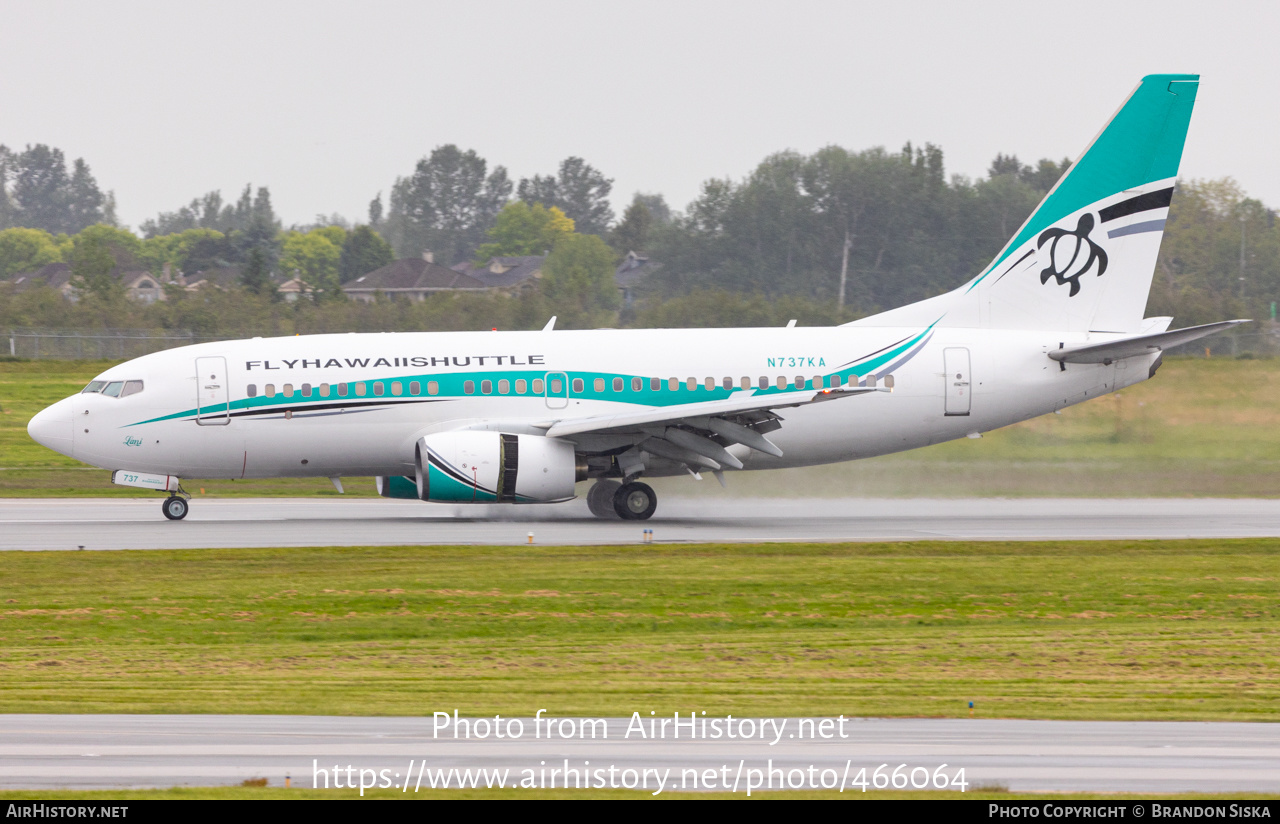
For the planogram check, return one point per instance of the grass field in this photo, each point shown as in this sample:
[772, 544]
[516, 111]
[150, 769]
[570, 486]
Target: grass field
[1110, 630]
[1200, 428]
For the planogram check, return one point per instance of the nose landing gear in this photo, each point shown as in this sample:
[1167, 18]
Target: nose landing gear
[175, 507]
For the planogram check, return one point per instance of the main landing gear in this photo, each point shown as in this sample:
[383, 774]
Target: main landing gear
[630, 502]
[175, 507]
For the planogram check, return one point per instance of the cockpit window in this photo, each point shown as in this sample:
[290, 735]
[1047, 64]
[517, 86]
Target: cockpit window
[131, 388]
[93, 388]
[112, 389]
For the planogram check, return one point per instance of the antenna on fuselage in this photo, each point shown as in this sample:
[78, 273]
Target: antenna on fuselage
[551, 324]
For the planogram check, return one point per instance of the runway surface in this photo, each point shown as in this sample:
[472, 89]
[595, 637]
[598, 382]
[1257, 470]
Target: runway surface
[46, 751]
[71, 523]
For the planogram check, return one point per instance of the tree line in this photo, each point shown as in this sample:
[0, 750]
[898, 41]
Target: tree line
[828, 236]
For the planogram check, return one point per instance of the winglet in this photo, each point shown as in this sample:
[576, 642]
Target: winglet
[550, 324]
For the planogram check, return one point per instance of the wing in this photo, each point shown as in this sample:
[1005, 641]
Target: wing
[696, 434]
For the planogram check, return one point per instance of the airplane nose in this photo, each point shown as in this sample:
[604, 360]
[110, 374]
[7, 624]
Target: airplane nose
[52, 427]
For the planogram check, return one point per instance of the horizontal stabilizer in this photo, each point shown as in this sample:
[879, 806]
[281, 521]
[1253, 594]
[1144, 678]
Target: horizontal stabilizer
[1139, 345]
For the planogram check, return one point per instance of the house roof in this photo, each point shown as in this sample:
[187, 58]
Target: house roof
[223, 278]
[58, 275]
[513, 270]
[55, 275]
[633, 269]
[412, 274]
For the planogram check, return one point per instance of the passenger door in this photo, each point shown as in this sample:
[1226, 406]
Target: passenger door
[213, 404]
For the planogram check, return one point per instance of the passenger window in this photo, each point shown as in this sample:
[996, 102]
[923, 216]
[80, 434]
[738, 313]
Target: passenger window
[655, 384]
[799, 381]
[871, 380]
[361, 391]
[521, 386]
[504, 386]
[342, 390]
[578, 385]
[93, 388]
[727, 383]
[324, 390]
[486, 387]
[469, 387]
[764, 382]
[270, 390]
[598, 384]
[433, 388]
[746, 382]
[251, 390]
[131, 388]
[306, 390]
[691, 383]
[378, 388]
[617, 384]
[853, 380]
[112, 389]
[782, 382]
[415, 388]
[637, 384]
[537, 385]
[888, 381]
[397, 388]
[288, 390]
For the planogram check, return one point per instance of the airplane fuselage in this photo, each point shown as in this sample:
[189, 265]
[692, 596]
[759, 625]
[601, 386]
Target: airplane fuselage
[355, 404]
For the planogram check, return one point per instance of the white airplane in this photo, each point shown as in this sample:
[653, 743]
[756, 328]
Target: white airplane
[521, 417]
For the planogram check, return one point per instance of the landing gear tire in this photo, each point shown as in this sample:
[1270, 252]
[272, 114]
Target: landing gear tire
[175, 508]
[600, 499]
[635, 502]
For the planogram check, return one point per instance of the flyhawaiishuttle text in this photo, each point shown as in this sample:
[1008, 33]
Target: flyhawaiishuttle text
[574, 775]
[678, 726]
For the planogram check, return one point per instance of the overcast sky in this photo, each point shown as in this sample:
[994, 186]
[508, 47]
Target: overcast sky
[328, 102]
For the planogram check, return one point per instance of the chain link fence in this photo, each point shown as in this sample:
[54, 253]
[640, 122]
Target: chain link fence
[1259, 340]
[99, 344]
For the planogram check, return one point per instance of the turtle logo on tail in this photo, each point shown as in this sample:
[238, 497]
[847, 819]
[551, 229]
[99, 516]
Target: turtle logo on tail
[1071, 254]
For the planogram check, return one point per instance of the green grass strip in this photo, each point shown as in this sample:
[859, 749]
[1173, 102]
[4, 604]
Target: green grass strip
[1159, 630]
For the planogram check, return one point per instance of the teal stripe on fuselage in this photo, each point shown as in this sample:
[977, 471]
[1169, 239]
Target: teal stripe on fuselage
[451, 387]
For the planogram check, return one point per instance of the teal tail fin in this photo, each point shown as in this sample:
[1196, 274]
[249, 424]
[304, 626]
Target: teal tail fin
[1083, 260]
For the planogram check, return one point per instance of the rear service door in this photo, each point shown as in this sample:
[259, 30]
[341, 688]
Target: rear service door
[956, 365]
[213, 407]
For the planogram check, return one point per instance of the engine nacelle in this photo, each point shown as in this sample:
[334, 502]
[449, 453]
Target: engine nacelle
[397, 486]
[489, 467]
